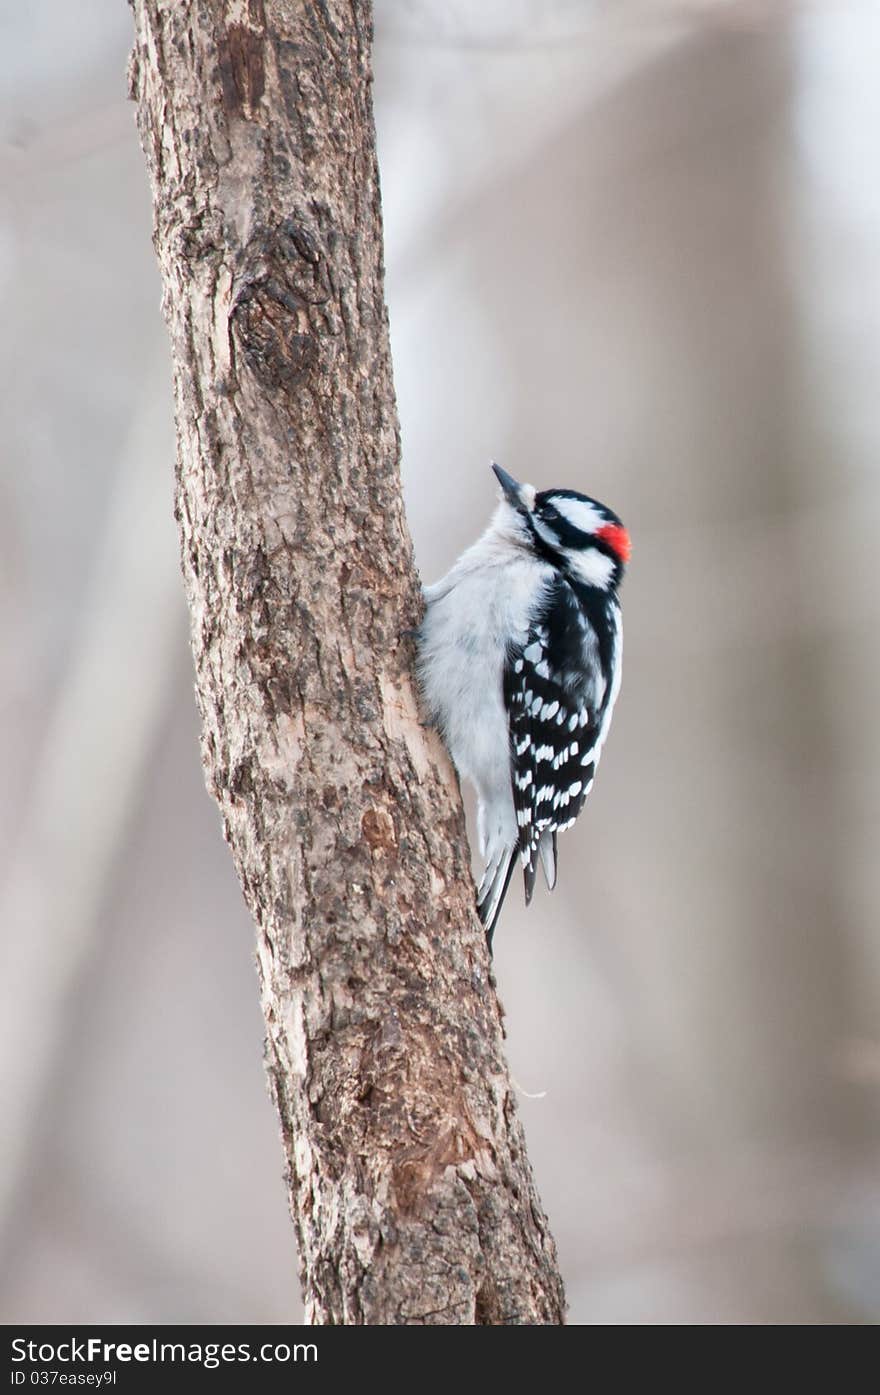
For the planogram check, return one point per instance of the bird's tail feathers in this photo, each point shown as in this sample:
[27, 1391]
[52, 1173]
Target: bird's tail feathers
[493, 888]
[547, 849]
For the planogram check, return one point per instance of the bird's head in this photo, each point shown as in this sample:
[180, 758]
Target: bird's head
[577, 534]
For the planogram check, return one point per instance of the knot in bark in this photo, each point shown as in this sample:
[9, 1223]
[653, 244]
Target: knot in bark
[274, 316]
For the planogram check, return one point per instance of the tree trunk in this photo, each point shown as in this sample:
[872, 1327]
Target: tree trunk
[410, 1188]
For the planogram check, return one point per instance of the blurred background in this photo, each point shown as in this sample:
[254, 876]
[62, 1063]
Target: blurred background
[632, 248]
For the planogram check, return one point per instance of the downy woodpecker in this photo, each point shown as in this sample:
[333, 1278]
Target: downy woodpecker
[519, 663]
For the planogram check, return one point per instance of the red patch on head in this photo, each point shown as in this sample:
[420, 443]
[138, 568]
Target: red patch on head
[617, 539]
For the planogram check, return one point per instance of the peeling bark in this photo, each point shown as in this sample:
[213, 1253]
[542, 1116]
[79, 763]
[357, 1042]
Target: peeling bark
[410, 1188]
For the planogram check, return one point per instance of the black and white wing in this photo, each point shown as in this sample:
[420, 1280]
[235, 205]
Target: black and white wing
[558, 690]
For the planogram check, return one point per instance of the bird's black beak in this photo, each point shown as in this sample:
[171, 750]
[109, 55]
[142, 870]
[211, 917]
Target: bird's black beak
[512, 491]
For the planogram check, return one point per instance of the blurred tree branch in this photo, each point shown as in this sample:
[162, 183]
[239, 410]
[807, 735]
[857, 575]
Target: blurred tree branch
[409, 1184]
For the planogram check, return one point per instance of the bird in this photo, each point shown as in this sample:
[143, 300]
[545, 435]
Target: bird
[519, 657]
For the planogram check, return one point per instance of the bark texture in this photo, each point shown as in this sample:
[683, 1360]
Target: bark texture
[410, 1188]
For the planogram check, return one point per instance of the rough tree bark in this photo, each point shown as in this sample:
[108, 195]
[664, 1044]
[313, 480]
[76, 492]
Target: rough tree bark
[410, 1188]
